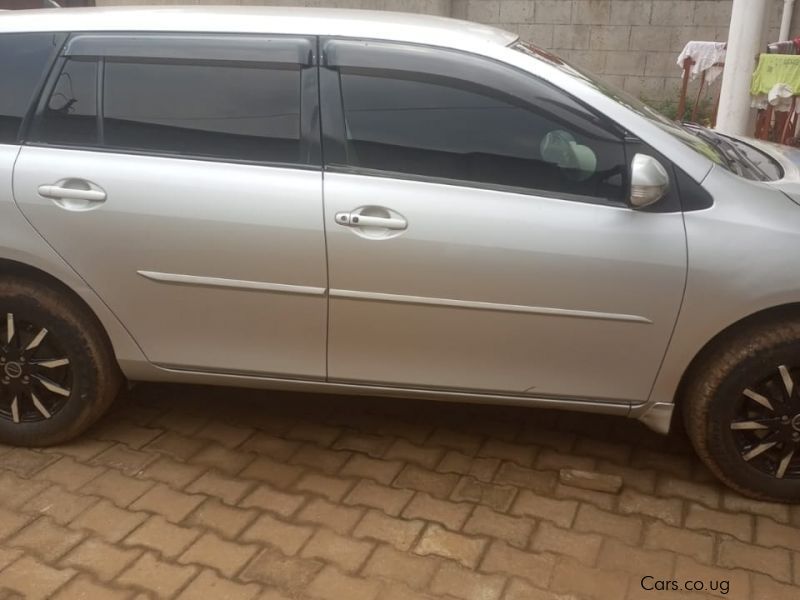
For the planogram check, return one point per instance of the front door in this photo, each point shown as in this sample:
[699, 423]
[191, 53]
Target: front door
[478, 236]
[179, 175]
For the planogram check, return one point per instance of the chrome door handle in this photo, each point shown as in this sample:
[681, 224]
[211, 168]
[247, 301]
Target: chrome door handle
[353, 219]
[57, 192]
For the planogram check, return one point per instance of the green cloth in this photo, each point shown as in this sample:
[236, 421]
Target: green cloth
[773, 69]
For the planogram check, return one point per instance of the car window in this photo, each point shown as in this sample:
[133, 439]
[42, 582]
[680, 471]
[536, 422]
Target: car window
[457, 130]
[25, 56]
[70, 115]
[245, 112]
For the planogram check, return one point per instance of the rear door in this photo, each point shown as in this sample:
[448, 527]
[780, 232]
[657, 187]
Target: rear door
[179, 175]
[478, 234]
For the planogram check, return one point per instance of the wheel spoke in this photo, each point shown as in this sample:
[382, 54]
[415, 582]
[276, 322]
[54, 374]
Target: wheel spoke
[761, 448]
[755, 396]
[39, 406]
[34, 343]
[51, 363]
[52, 386]
[9, 327]
[784, 464]
[15, 410]
[739, 425]
[787, 379]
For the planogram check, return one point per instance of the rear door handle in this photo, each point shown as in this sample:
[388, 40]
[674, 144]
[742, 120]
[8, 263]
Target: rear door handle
[57, 192]
[353, 219]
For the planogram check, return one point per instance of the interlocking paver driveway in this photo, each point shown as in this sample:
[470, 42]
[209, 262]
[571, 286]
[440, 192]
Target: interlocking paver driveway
[212, 493]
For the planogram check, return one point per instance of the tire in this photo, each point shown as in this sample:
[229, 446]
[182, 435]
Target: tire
[75, 393]
[738, 383]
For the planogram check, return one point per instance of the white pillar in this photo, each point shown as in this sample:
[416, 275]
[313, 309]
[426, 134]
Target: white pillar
[748, 19]
[786, 20]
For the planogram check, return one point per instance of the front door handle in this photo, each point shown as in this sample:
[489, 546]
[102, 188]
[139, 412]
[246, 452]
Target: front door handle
[355, 219]
[57, 192]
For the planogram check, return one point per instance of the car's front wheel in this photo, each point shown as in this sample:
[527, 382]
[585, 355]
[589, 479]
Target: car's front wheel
[742, 410]
[57, 371]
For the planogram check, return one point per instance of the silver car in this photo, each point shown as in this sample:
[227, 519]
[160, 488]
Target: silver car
[393, 205]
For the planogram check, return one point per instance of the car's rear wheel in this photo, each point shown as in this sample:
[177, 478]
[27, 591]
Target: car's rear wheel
[742, 410]
[57, 371]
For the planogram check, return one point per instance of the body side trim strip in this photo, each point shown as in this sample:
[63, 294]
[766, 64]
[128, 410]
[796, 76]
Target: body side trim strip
[237, 284]
[476, 305]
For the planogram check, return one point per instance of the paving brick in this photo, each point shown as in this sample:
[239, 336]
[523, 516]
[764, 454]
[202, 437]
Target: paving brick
[176, 474]
[226, 520]
[320, 459]
[436, 484]
[105, 561]
[16, 491]
[392, 591]
[482, 469]
[533, 566]
[46, 539]
[346, 553]
[697, 545]
[83, 588]
[542, 482]
[322, 435]
[222, 458]
[738, 580]
[450, 514]
[11, 522]
[498, 497]
[590, 480]
[340, 519]
[227, 489]
[264, 497]
[212, 551]
[457, 581]
[119, 488]
[737, 525]
[180, 421]
[389, 500]
[388, 563]
[617, 556]
[464, 442]
[273, 472]
[775, 562]
[81, 449]
[570, 576]
[126, 432]
[58, 504]
[274, 569]
[400, 533]
[224, 434]
[159, 534]
[514, 530]
[8, 556]
[643, 480]
[176, 445]
[518, 589]
[669, 510]
[208, 585]
[402, 450]
[332, 488]
[770, 533]
[330, 584]
[69, 473]
[363, 467]
[561, 512]
[122, 458]
[34, 580]
[703, 493]
[553, 460]
[438, 541]
[594, 520]
[766, 587]
[520, 454]
[287, 537]
[680, 467]
[275, 447]
[108, 521]
[162, 578]
[25, 462]
[172, 505]
[600, 499]
[583, 546]
[373, 445]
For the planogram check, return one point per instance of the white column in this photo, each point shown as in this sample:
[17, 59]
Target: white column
[748, 19]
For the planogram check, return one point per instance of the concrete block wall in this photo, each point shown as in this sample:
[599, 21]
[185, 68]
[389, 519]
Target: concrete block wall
[631, 43]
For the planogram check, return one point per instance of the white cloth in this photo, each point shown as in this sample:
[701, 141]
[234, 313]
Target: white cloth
[780, 97]
[704, 55]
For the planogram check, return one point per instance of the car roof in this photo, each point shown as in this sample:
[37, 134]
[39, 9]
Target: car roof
[365, 24]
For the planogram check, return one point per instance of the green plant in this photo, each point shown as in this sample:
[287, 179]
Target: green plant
[669, 108]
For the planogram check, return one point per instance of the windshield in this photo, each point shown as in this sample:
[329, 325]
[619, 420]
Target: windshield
[689, 138]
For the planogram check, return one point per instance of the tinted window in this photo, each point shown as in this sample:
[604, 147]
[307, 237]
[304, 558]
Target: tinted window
[238, 111]
[460, 130]
[23, 59]
[70, 116]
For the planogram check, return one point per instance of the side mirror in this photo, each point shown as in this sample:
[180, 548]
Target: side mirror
[649, 181]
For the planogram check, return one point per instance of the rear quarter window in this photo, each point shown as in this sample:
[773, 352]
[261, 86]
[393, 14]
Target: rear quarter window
[24, 60]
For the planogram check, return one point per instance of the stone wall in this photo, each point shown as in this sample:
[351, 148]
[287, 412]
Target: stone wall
[632, 43]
